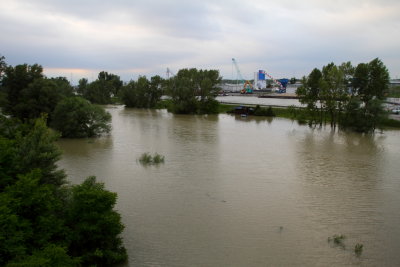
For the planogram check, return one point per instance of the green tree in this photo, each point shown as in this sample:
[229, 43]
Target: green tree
[183, 92]
[34, 209]
[95, 225]
[103, 89]
[155, 90]
[43, 222]
[194, 91]
[98, 92]
[82, 86]
[142, 93]
[334, 93]
[30, 94]
[24, 151]
[15, 81]
[310, 95]
[113, 82]
[51, 255]
[76, 117]
[41, 96]
[351, 97]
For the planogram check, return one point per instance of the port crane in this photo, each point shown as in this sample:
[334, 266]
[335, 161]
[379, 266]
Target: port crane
[281, 82]
[247, 86]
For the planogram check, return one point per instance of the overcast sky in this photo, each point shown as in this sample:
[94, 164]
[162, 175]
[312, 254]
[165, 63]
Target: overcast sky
[79, 38]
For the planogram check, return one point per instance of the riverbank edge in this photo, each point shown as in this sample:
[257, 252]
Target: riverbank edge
[299, 114]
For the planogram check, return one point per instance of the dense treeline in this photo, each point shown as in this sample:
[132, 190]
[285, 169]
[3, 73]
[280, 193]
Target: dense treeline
[27, 94]
[192, 91]
[43, 221]
[346, 96]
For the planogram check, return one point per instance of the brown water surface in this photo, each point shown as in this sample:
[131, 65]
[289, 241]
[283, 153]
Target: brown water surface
[245, 192]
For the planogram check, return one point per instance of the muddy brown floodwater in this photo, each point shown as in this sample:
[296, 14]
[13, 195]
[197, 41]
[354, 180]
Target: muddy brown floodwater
[245, 192]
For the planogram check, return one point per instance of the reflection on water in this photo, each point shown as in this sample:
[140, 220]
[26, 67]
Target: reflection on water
[245, 191]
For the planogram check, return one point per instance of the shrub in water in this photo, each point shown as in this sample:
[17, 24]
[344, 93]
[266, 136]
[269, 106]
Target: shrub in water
[358, 249]
[147, 159]
[158, 159]
[337, 240]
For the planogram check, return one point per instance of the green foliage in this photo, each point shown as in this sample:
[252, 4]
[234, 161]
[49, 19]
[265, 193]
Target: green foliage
[23, 152]
[82, 86]
[51, 255]
[358, 249]
[101, 90]
[259, 111]
[15, 81]
[193, 91]
[76, 117]
[337, 240]
[29, 94]
[35, 210]
[95, 225]
[346, 96]
[158, 159]
[394, 92]
[147, 159]
[142, 93]
[390, 123]
[208, 106]
[43, 222]
[98, 92]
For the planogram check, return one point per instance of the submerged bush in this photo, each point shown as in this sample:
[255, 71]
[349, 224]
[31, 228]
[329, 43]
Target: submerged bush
[358, 249]
[337, 240]
[147, 159]
[158, 159]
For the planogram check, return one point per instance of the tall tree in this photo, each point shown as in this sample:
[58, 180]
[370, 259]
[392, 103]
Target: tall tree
[95, 225]
[142, 93]
[15, 80]
[309, 94]
[102, 90]
[82, 86]
[194, 91]
[75, 117]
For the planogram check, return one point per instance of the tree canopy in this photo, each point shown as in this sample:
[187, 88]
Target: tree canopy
[142, 93]
[76, 117]
[102, 89]
[27, 94]
[348, 96]
[193, 91]
[43, 220]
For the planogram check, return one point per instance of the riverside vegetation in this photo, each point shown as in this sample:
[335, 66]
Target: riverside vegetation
[44, 221]
[346, 96]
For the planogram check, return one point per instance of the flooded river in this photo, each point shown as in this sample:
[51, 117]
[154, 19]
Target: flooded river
[245, 192]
